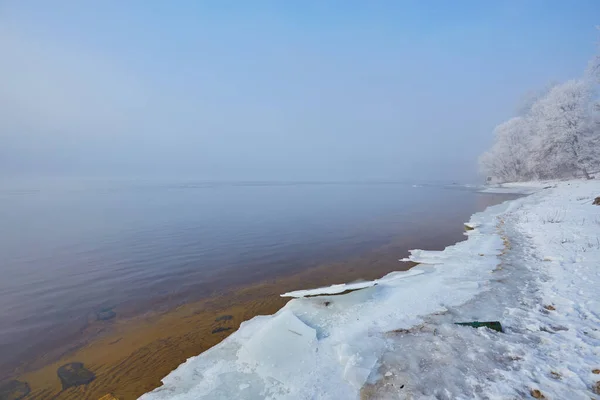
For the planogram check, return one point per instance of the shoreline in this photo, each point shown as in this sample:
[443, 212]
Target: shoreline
[529, 267]
[138, 352]
[280, 352]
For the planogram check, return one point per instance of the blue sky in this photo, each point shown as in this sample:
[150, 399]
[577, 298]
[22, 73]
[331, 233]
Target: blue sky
[280, 90]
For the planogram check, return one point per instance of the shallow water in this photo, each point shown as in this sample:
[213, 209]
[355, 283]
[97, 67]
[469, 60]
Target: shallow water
[69, 248]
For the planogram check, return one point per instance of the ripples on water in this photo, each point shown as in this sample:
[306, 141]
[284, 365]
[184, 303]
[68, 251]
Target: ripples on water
[70, 247]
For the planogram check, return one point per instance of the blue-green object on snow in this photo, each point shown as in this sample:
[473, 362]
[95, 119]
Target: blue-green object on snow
[495, 325]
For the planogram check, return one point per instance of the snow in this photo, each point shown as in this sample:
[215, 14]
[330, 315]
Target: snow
[531, 263]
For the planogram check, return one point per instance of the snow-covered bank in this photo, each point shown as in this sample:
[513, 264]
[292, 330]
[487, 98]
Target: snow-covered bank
[532, 263]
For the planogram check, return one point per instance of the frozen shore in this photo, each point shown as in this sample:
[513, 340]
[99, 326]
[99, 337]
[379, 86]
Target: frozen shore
[532, 263]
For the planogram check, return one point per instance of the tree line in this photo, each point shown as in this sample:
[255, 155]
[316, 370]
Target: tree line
[556, 135]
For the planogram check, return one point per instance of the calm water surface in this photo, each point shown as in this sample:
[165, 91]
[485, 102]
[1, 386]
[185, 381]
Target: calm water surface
[69, 248]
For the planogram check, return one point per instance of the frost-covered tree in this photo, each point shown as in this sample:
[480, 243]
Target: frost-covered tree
[593, 75]
[564, 141]
[593, 70]
[557, 133]
[558, 138]
[530, 97]
[508, 158]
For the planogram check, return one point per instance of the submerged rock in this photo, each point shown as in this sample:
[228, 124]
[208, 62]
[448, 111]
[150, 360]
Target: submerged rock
[74, 374]
[105, 314]
[220, 329]
[224, 318]
[14, 390]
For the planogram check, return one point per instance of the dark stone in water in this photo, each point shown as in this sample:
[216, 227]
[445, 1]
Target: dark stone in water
[224, 318]
[105, 314]
[220, 329]
[74, 374]
[495, 325]
[14, 390]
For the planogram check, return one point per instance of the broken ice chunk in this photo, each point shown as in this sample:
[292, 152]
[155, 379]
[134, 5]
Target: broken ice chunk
[279, 347]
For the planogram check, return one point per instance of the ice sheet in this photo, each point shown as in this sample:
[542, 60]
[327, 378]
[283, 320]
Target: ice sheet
[343, 287]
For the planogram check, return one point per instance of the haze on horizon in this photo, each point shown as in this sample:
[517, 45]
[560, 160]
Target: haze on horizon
[274, 90]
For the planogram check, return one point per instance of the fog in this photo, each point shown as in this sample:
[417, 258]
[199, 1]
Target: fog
[289, 91]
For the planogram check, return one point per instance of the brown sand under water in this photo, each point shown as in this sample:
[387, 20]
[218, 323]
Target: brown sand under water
[130, 356]
[135, 354]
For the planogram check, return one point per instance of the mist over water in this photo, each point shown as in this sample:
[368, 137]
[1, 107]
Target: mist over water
[309, 91]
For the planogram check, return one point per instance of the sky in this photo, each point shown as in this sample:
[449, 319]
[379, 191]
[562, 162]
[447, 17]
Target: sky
[274, 90]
